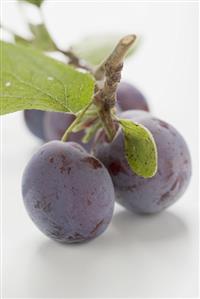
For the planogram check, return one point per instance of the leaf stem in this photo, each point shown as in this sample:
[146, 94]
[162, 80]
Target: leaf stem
[75, 122]
[75, 60]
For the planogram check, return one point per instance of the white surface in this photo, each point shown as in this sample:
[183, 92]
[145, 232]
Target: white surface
[136, 257]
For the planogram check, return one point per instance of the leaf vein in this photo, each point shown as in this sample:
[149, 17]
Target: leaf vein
[37, 88]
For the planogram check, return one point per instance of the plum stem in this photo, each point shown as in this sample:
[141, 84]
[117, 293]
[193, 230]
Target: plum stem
[105, 96]
[75, 122]
[91, 131]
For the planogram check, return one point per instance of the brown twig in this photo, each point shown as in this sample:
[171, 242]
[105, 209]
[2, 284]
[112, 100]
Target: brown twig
[117, 55]
[75, 60]
[105, 97]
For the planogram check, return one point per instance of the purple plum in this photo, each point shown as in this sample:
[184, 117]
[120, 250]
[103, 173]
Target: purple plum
[147, 195]
[67, 192]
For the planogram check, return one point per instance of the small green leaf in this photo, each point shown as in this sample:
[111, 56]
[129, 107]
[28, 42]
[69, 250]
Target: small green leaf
[31, 80]
[35, 2]
[140, 148]
[94, 49]
[41, 39]
[22, 41]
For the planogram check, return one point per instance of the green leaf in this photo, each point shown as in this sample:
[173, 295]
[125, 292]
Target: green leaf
[41, 39]
[22, 41]
[31, 80]
[95, 48]
[35, 2]
[140, 148]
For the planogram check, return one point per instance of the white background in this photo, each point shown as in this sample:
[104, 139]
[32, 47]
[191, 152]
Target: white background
[155, 256]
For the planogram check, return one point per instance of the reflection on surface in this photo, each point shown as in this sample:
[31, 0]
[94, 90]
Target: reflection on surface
[145, 228]
[133, 244]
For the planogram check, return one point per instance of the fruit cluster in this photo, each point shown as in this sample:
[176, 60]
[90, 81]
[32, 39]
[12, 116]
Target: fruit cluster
[70, 193]
[101, 141]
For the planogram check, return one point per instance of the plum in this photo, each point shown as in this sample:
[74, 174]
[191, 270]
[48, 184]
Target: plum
[34, 121]
[67, 192]
[55, 125]
[147, 195]
[129, 97]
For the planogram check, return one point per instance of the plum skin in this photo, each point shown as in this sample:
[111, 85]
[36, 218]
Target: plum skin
[154, 194]
[55, 125]
[34, 121]
[129, 97]
[68, 193]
